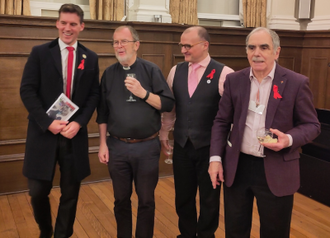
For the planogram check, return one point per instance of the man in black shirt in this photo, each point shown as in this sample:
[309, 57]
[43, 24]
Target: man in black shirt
[130, 110]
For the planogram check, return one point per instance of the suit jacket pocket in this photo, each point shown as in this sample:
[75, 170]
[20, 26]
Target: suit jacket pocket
[291, 155]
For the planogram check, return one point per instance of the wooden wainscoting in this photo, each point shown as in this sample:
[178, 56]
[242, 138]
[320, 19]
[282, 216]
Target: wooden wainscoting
[316, 66]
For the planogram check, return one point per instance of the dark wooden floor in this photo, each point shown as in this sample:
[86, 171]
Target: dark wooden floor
[95, 216]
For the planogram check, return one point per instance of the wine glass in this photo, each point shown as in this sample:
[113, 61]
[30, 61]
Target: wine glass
[169, 159]
[263, 135]
[131, 99]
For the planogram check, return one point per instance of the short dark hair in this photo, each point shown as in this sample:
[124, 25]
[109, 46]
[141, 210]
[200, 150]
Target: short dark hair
[201, 31]
[72, 8]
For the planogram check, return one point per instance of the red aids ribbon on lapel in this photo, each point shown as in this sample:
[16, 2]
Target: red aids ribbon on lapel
[276, 93]
[210, 76]
[82, 64]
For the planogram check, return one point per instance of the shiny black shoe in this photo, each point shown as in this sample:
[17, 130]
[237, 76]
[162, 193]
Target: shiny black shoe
[47, 234]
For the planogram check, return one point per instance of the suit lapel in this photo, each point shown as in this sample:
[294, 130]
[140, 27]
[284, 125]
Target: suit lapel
[280, 81]
[56, 54]
[245, 88]
[81, 58]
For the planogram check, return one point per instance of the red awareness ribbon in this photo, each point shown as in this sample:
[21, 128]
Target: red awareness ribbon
[210, 76]
[82, 64]
[276, 93]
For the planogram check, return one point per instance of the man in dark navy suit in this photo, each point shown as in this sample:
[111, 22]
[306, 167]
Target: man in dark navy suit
[52, 141]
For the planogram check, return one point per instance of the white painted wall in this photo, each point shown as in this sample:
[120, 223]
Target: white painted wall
[218, 12]
[49, 8]
[148, 10]
[321, 20]
[280, 13]
[218, 6]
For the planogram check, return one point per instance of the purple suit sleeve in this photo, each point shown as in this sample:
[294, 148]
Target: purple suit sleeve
[306, 125]
[222, 122]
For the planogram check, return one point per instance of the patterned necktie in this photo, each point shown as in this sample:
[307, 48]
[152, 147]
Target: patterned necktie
[193, 79]
[69, 71]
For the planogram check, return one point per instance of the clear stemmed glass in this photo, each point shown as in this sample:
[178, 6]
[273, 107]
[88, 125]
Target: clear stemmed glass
[169, 159]
[263, 135]
[131, 98]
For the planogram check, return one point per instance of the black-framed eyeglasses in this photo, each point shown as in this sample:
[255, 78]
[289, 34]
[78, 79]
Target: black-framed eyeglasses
[116, 43]
[188, 47]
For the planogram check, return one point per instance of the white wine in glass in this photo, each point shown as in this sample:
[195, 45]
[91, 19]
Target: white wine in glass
[169, 159]
[264, 135]
[131, 98]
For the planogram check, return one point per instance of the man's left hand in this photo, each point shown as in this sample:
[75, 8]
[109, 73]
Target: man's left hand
[70, 130]
[282, 141]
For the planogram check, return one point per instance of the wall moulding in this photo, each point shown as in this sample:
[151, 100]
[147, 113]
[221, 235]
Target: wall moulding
[319, 23]
[283, 22]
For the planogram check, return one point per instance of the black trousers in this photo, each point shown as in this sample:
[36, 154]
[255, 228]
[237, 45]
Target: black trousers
[190, 167]
[40, 189]
[250, 182]
[138, 162]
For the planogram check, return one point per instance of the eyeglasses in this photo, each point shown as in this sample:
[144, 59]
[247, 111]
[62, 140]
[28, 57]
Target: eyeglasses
[122, 42]
[188, 47]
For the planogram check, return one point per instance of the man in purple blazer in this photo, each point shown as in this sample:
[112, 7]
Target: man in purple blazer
[269, 96]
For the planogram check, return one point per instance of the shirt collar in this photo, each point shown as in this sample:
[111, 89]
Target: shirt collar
[63, 45]
[270, 75]
[204, 63]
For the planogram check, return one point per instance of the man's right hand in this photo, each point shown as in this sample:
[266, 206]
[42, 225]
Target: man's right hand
[165, 147]
[57, 126]
[103, 154]
[216, 173]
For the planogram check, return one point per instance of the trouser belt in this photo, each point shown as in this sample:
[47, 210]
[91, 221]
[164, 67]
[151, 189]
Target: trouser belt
[131, 140]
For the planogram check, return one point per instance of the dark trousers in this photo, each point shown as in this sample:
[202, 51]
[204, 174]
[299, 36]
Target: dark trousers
[274, 212]
[138, 162]
[190, 167]
[40, 189]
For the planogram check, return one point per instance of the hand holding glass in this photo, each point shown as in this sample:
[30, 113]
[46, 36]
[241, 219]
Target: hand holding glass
[264, 135]
[169, 160]
[131, 99]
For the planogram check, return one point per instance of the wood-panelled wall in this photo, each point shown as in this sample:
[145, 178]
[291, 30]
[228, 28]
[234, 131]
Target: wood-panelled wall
[316, 65]
[301, 52]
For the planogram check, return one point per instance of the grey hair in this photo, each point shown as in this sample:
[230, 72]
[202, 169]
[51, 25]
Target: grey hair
[273, 35]
[134, 33]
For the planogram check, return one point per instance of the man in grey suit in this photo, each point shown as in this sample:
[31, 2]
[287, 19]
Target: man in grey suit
[269, 96]
[52, 141]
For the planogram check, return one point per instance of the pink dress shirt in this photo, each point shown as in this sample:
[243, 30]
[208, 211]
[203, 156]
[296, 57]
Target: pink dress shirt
[168, 118]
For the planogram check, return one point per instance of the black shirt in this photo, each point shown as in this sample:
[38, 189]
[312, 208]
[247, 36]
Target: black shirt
[132, 119]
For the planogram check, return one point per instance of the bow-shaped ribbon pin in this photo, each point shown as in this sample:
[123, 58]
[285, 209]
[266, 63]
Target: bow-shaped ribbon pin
[82, 64]
[276, 93]
[210, 76]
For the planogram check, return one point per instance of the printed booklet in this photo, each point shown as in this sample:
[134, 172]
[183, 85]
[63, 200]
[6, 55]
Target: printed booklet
[62, 109]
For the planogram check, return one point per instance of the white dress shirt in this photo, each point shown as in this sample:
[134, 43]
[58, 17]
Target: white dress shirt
[64, 56]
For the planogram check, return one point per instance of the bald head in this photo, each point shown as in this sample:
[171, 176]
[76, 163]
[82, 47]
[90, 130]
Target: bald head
[201, 31]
